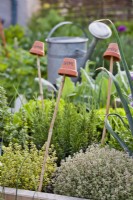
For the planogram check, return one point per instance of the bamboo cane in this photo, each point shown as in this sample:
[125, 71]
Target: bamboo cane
[40, 80]
[108, 99]
[50, 133]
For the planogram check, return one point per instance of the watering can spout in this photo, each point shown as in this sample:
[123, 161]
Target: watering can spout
[99, 31]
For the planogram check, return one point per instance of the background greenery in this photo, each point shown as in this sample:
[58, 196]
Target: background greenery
[18, 67]
[17, 72]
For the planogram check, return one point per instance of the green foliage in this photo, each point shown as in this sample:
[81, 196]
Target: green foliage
[13, 32]
[128, 25]
[17, 72]
[117, 125]
[68, 89]
[17, 130]
[127, 42]
[98, 174]
[44, 24]
[3, 101]
[21, 168]
[92, 91]
[5, 115]
[73, 129]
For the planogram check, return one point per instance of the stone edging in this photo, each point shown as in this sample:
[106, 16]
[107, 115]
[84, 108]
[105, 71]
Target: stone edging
[10, 193]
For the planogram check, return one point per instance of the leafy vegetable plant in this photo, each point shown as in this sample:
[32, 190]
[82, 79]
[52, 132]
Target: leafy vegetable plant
[18, 71]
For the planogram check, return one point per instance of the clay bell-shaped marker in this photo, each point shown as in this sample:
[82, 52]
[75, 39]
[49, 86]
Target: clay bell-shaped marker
[68, 68]
[37, 48]
[112, 51]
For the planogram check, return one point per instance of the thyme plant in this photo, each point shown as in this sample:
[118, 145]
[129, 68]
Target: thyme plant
[98, 174]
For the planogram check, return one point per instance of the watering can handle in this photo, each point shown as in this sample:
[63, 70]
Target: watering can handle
[63, 23]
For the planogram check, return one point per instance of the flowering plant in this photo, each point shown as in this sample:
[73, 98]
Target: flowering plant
[121, 28]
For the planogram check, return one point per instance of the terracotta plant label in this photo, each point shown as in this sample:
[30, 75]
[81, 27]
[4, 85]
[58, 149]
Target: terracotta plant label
[68, 68]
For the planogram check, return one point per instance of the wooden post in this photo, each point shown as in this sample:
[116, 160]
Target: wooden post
[108, 99]
[50, 134]
[40, 80]
[2, 35]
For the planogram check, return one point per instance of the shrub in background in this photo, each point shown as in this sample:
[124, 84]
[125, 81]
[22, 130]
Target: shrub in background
[98, 174]
[14, 32]
[21, 168]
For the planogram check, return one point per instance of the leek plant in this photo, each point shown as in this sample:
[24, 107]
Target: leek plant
[121, 96]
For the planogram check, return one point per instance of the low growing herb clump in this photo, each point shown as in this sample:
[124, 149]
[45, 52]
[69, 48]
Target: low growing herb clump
[21, 167]
[98, 174]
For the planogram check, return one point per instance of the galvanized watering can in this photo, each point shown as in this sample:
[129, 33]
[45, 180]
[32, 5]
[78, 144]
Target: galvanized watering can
[72, 47]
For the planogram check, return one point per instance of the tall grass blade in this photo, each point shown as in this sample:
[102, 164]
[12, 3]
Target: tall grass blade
[122, 144]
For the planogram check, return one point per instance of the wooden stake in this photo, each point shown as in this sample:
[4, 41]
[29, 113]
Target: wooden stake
[40, 80]
[2, 35]
[50, 134]
[108, 99]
